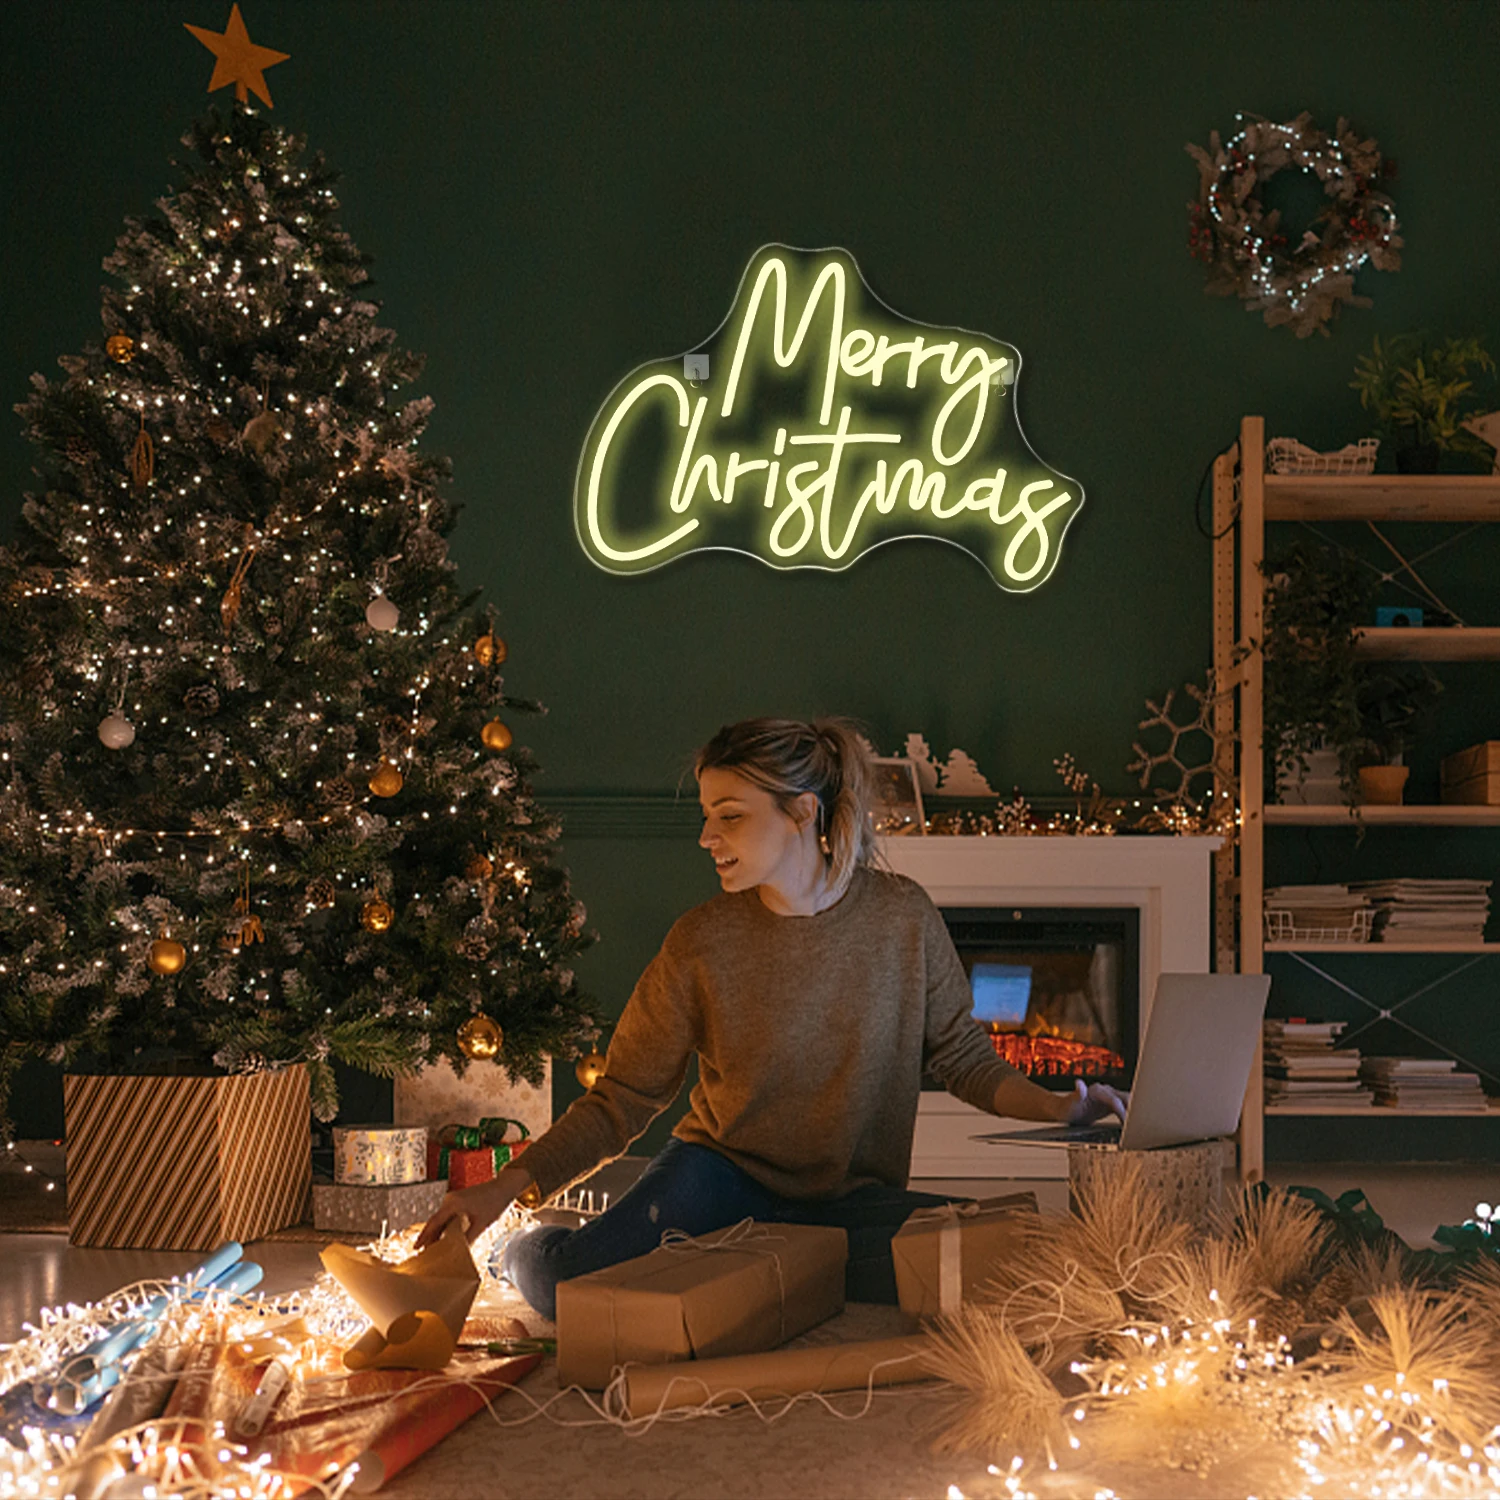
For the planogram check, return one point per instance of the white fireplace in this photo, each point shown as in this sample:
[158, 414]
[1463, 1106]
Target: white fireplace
[1166, 879]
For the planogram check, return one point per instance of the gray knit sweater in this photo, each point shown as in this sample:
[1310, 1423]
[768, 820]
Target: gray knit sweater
[811, 1033]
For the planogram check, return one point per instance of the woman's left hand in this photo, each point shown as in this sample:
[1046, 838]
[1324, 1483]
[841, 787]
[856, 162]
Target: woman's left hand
[1095, 1102]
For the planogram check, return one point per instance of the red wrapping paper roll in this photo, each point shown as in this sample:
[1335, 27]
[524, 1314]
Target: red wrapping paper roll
[426, 1419]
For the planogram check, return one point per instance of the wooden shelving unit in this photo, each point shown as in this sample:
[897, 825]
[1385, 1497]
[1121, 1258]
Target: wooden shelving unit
[1411, 815]
[1368, 1111]
[1455, 643]
[1245, 499]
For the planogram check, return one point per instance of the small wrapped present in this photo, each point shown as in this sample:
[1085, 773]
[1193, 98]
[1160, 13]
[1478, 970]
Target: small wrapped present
[942, 1254]
[362, 1208]
[379, 1155]
[461, 1149]
[738, 1291]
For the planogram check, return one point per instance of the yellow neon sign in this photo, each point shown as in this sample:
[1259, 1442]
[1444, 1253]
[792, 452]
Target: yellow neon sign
[826, 425]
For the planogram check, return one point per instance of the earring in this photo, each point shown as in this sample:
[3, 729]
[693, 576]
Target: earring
[824, 845]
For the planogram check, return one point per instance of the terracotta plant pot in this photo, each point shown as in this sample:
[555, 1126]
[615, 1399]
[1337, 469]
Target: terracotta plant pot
[1382, 785]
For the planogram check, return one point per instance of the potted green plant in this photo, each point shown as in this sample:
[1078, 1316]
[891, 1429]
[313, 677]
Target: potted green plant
[1395, 699]
[1316, 600]
[1419, 390]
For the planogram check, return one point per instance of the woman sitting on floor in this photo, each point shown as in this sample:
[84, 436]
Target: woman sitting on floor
[815, 990]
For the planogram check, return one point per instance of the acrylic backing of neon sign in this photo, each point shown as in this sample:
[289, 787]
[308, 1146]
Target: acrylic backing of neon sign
[827, 426]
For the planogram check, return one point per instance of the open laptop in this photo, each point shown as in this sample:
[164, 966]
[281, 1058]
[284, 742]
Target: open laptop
[1195, 1062]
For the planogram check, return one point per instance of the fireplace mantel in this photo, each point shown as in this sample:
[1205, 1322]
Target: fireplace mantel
[1167, 879]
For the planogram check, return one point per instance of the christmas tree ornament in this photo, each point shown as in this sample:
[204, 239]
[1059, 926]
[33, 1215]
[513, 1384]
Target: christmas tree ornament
[250, 929]
[495, 735]
[320, 894]
[142, 459]
[480, 1039]
[589, 1069]
[260, 433]
[167, 955]
[387, 781]
[120, 347]
[201, 701]
[490, 650]
[117, 732]
[238, 60]
[376, 915]
[229, 605]
[77, 451]
[381, 614]
[220, 431]
[479, 868]
[338, 790]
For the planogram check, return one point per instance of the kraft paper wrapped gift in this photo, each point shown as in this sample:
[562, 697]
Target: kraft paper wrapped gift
[943, 1254]
[738, 1291]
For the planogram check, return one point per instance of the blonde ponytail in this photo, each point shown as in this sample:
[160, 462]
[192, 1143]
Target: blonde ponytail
[789, 758]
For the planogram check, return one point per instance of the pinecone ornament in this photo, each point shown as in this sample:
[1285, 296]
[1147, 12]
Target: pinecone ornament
[337, 789]
[78, 451]
[320, 893]
[201, 701]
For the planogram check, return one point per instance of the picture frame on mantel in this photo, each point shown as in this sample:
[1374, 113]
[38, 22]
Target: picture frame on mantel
[897, 808]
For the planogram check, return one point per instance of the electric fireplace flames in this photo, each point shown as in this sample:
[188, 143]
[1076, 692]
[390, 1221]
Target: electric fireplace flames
[1057, 990]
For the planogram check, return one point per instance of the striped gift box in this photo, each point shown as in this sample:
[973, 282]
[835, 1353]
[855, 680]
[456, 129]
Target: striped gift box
[170, 1163]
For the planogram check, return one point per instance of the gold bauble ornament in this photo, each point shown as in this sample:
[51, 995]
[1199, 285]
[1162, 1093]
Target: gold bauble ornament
[589, 1069]
[480, 1039]
[489, 650]
[120, 347]
[479, 868]
[387, 781]
[376, 915]
[495, 735]
[167, 956]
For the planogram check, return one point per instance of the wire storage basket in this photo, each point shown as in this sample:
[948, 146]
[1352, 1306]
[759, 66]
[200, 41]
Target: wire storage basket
[1284, 925]
[1288, 456]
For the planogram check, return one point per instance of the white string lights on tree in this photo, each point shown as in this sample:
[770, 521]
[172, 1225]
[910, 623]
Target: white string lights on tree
[1299, 286]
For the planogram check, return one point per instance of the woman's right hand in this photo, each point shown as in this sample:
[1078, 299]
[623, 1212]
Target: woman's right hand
[477, 1207]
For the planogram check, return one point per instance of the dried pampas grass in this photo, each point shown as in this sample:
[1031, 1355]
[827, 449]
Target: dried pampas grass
[1420, 1357]
[1073, 1283]
[1283, 1237]
[1008, 1405]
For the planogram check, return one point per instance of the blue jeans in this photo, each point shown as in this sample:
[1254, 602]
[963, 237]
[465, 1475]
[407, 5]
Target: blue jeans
[695, 1190]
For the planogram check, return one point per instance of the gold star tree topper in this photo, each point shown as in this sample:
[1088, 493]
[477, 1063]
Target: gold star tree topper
[237, 59]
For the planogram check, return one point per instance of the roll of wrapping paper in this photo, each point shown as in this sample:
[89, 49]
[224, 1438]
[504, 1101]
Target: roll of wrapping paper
[426, 1418]
[734, 1381]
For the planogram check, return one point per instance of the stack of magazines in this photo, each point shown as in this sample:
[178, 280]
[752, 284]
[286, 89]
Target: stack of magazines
[1431, 1084]
[1317, 914]
[1426, 912]
[1306, 1066]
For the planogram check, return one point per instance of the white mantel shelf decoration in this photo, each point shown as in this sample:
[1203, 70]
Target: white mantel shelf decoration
[1167, 879]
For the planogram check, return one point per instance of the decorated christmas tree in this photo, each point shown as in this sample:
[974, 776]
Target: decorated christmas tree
[260, 800]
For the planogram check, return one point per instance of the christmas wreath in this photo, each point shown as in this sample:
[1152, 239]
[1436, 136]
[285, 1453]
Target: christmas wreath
[1241, 242]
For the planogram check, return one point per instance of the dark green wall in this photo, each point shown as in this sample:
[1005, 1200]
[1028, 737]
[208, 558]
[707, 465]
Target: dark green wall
[555, 192]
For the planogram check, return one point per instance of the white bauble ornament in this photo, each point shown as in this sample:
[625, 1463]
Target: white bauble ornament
[381, 614]
[117, 732]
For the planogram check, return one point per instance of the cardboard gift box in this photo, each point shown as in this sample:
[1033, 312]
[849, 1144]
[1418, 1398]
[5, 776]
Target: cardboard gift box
[181, 1163]
[379, 1155]
[1473, 775]
[360, 1208]
[738, 1291]
[942, 1254]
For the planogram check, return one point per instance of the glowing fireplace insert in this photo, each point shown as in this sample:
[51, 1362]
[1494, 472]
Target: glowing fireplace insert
[1058, 989]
